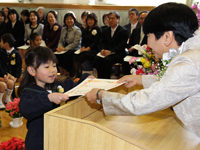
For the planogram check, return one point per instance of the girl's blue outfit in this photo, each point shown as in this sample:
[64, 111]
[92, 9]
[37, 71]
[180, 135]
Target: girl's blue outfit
[33, 104]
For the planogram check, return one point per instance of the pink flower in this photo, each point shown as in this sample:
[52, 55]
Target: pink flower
[133, 59]
[194, 6]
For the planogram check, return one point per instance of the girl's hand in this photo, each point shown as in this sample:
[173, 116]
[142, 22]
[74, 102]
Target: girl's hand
[12, 78]
[131, 80]
[57, 98]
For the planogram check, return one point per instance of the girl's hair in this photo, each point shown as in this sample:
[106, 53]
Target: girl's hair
[53, 12]
[175, 17]
[33, 36]
[94, 17]
[37, 15]
[34, 57]
[13, 11]
[2, 14]
[85, 13]
[67, 15]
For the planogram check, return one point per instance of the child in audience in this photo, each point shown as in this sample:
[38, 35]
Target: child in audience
[38, 92]
[35, 40]
[11, 62]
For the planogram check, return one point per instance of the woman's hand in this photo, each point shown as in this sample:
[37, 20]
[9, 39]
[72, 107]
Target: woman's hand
[131, 80]
[92, 97]
[57, 98]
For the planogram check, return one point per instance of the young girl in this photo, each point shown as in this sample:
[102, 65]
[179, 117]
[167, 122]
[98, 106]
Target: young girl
[35, 40]
[36, 92]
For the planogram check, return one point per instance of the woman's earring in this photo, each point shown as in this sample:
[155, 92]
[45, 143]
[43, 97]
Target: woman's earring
[165, 43]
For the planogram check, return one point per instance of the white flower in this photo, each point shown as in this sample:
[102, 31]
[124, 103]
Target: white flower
[55, 28]
[140, 49]
[94, 32]
[133, 71]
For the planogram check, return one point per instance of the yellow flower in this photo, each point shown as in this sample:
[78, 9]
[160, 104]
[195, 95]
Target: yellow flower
[147, 64]
[143, 60]
[60, 89]
[55, 28]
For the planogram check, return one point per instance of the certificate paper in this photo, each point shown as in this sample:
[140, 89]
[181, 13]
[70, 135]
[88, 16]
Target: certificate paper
[88, 84]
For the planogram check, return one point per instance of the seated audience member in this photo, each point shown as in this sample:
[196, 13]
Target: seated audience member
[76, 23]
[10, 59]
[33, 27]
[112, 46]
[105, 20]
[25, 16]
[15, 27]
[6, 10]
[70, 41]
[173, 34]
[137, 37]
[91, 37]
[41, 12]
[84, 17]
[2, 23]
[52, 31]
[35, 40]
[133, 15]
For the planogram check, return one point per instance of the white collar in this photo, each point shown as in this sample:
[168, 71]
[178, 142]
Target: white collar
[10, 51]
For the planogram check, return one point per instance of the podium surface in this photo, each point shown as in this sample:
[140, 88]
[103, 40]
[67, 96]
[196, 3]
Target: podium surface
[79, 125]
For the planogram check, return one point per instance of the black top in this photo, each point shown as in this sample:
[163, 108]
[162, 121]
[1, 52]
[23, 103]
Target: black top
[33, 104]
[2, 28]
[117, 43]
[11, 62]
[17, 32]
[91, 38]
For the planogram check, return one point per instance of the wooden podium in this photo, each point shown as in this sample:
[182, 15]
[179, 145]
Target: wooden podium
[79, 125]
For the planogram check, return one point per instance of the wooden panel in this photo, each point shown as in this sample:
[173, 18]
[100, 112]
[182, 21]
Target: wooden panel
[76, 134]
[76, 6]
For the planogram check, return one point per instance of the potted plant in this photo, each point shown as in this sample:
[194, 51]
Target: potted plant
[13, 109]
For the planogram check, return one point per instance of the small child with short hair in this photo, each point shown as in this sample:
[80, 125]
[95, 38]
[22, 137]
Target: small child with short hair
[11, 66]
[35, 40]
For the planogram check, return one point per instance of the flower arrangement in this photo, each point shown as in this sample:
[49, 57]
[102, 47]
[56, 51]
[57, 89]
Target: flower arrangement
[196, 9]
[148, 61]
[13, 144]
[13, 108]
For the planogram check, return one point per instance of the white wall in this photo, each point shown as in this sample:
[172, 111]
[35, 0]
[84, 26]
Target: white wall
[102, 2]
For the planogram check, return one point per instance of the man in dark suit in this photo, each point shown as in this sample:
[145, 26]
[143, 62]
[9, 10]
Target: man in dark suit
[112, 46]
[137, 37]
[133, 15]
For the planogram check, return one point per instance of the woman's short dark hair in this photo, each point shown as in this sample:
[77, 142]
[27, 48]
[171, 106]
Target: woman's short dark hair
[67, 15]
[94, 17]
[37, 15]
[2, 14]
[115, 13]
[25, 12]
[13, 11]
[85, 13]
[175, 17]
[53, 12]
[104, 16]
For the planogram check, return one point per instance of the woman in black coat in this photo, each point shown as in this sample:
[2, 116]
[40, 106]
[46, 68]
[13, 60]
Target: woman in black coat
[91, 37]
[15, 27]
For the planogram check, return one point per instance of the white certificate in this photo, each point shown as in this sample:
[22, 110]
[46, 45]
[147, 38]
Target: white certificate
[88, 84]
